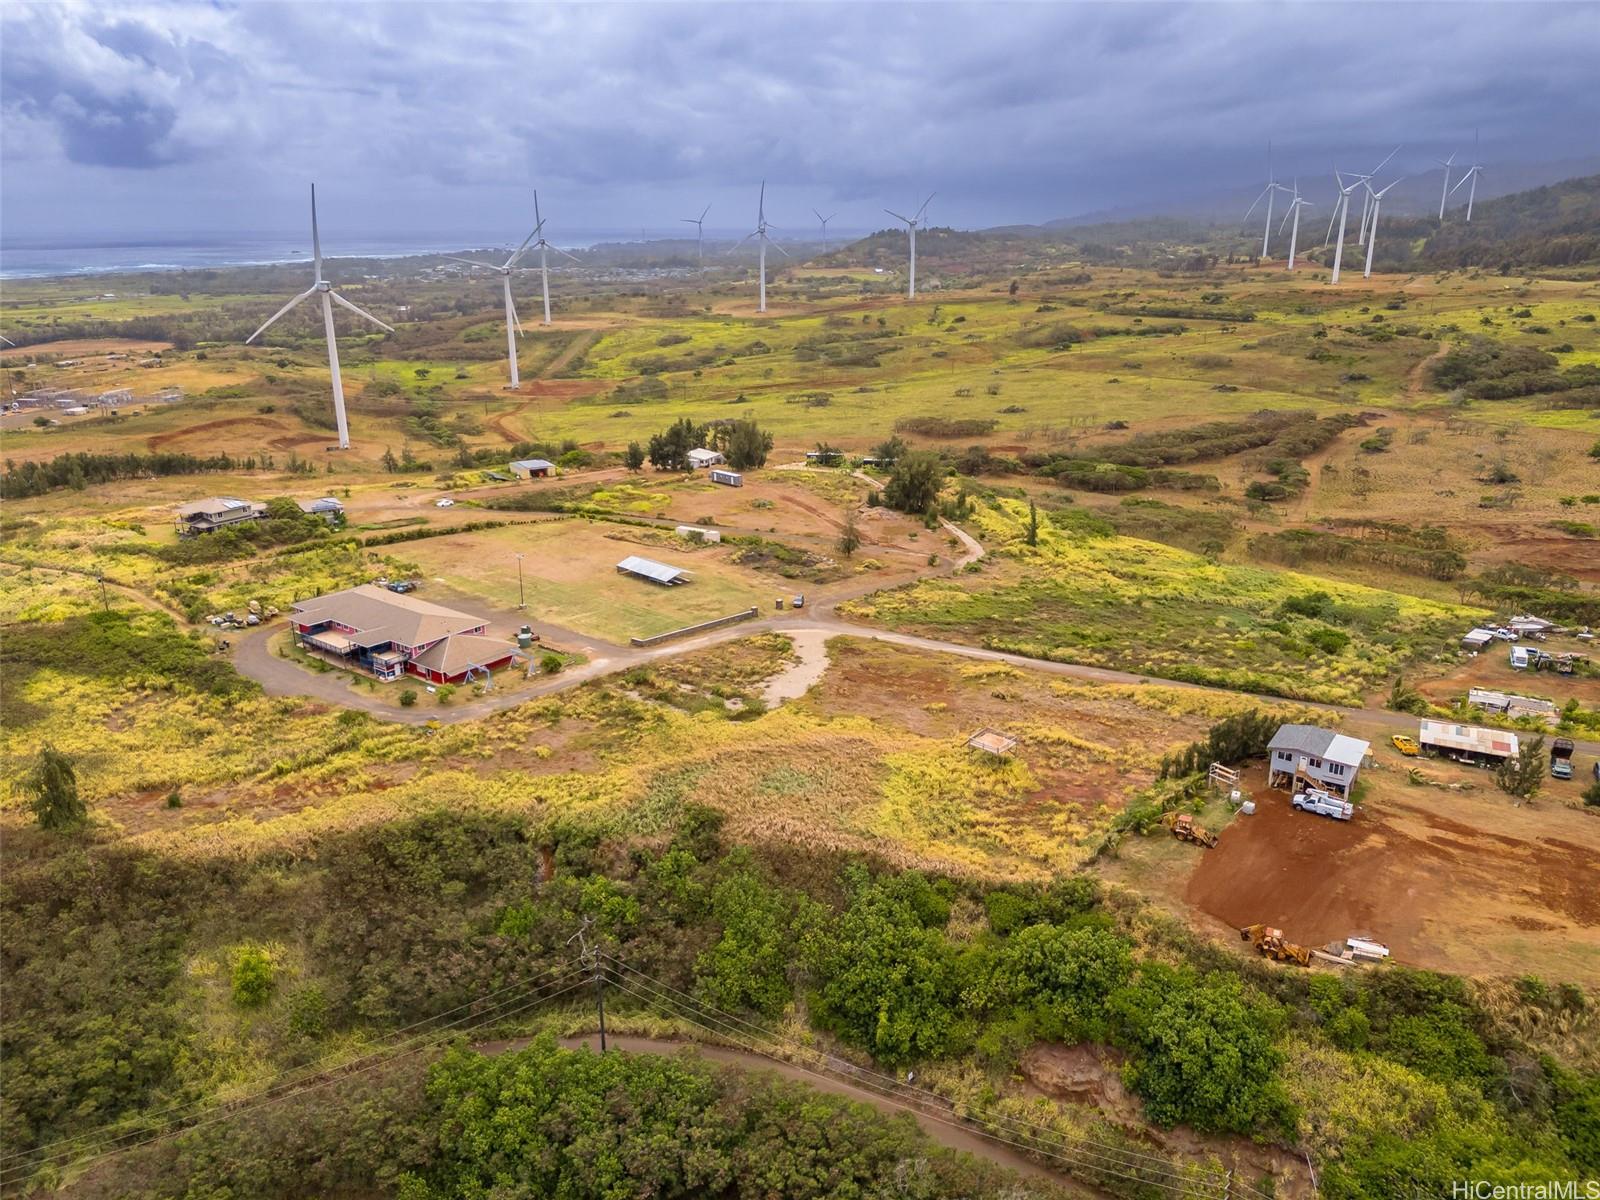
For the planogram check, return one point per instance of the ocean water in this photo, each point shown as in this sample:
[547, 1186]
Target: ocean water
[37, 257]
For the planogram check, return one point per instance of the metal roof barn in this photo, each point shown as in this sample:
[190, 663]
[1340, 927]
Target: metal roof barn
[655, 572]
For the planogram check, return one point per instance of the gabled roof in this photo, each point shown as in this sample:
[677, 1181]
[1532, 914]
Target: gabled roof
[213, 506]
[650, 569]
[1320, 743]
[379, 615]
[534, 464]
[463, 650]
[705, 456]
[320, 505]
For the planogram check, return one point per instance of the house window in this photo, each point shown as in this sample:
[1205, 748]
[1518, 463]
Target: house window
[1336, 768]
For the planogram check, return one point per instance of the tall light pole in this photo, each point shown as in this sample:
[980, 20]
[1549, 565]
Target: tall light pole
[522, 598]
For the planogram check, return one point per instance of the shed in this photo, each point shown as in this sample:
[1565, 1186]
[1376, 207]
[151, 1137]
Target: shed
[326, 507]
[532, 468]
[1530, 624]
[699, 533]
[1510, 703]
[1476, 639]
[699, 459]
[992, 741]
[655, 572]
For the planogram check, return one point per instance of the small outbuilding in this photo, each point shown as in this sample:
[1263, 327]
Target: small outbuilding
[532, 468]
[1328, 760]
[727, 478]
[992, 741]
[1467, 743]
[1476, 639]
[655, 572]
[699, 533]
[701, 459]
[1511, 704]
[326, 507]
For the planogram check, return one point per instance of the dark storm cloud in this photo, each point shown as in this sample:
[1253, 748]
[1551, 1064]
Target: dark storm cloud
[1013, 111]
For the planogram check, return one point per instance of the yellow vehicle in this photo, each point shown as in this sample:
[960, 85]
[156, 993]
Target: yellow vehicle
[1406, 746]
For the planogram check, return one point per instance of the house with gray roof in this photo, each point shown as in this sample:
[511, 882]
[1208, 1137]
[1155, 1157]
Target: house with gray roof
[216, 512]
[1325, 759]
[387, 635]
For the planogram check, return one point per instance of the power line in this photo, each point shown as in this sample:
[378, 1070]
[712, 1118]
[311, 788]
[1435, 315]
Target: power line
[505, 1010]
[1164, 1165]
[310, 1070]
[1161, 1173]
[868, 1085]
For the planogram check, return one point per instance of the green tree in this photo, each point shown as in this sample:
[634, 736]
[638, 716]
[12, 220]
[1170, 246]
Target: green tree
[888, 982]
[850, 535]
[1522, 775]
[391, 464]
[669, 449]
[915, 483]
[54, 783]
[891, 451]
[634, 458]
[748, 446]
[1206, 1053]
[1033, 524]
[1067, 975]
[747, 967]
[252, 977]
[1594, 450]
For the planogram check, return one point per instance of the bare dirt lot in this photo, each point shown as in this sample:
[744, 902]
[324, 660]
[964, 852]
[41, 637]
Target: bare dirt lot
[1462, 881]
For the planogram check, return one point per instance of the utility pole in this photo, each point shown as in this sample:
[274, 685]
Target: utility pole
[105, 603]
[589, 956]
[522, 598]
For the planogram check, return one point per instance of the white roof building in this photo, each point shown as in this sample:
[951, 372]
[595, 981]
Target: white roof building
[705, 458]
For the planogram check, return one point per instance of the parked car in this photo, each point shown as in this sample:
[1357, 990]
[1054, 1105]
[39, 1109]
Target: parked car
[1406, 745]
[444, 502]
[1314, 800]
[1505, 635]
[402, 586]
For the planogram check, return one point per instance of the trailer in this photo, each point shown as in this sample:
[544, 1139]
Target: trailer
[1467, 743]
[727, 478]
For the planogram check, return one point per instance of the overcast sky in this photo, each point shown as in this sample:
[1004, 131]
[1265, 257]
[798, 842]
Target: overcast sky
[132, 118]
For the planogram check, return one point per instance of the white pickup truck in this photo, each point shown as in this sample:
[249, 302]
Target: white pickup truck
[1313, 800]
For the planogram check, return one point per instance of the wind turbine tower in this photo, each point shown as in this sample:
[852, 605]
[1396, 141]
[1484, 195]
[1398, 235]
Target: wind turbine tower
[1295, 205]
[1366, 199]
[1444, 194]
[1342, 204]
[1267, 194]
[824, 220]
[911, 228]
[1372, 233]
[699, 224]
[1471, 177]
[762, 242]
[544, 256]
[321, 286]
[513, 325]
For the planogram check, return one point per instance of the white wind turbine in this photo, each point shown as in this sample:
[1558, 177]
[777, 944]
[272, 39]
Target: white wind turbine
[1444, 194]
[1267, 194]
[762, 242]
[544, 256]
[911, 228]
[1372, 232]
[1366, 200]
[1341, 208]
[824, 220]
[1296, 203]
[699, 224]
[329, 299]
[513, 325]
[1471, 177]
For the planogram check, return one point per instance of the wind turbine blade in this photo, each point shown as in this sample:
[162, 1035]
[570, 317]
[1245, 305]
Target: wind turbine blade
[1385, 162]
[704, 211]
[689, 220]
[316, 239]
[819, 216]
[925, 204]
[338, 299]
[734, 249]
[303, 295]
[777, 247]
[897, 216]
[516, 321]
[761, 204]
[1289, 212]
[564, 254]
[1459, 182]
[521, 250]
[1256, 201]
[471, 262]
[538, 221]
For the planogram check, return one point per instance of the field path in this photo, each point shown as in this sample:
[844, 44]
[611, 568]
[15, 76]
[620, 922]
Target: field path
[940, 1126]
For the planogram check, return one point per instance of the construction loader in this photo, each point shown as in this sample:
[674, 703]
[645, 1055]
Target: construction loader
[1185, 830]
[1270, 943]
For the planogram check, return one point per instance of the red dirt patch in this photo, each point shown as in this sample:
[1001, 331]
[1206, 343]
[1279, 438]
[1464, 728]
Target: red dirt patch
[160, 440]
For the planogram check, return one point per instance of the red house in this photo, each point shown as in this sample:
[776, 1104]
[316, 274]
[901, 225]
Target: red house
[371, 629]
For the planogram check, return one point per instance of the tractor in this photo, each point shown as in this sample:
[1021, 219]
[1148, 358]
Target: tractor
[1185, 830]
[1271, 944]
